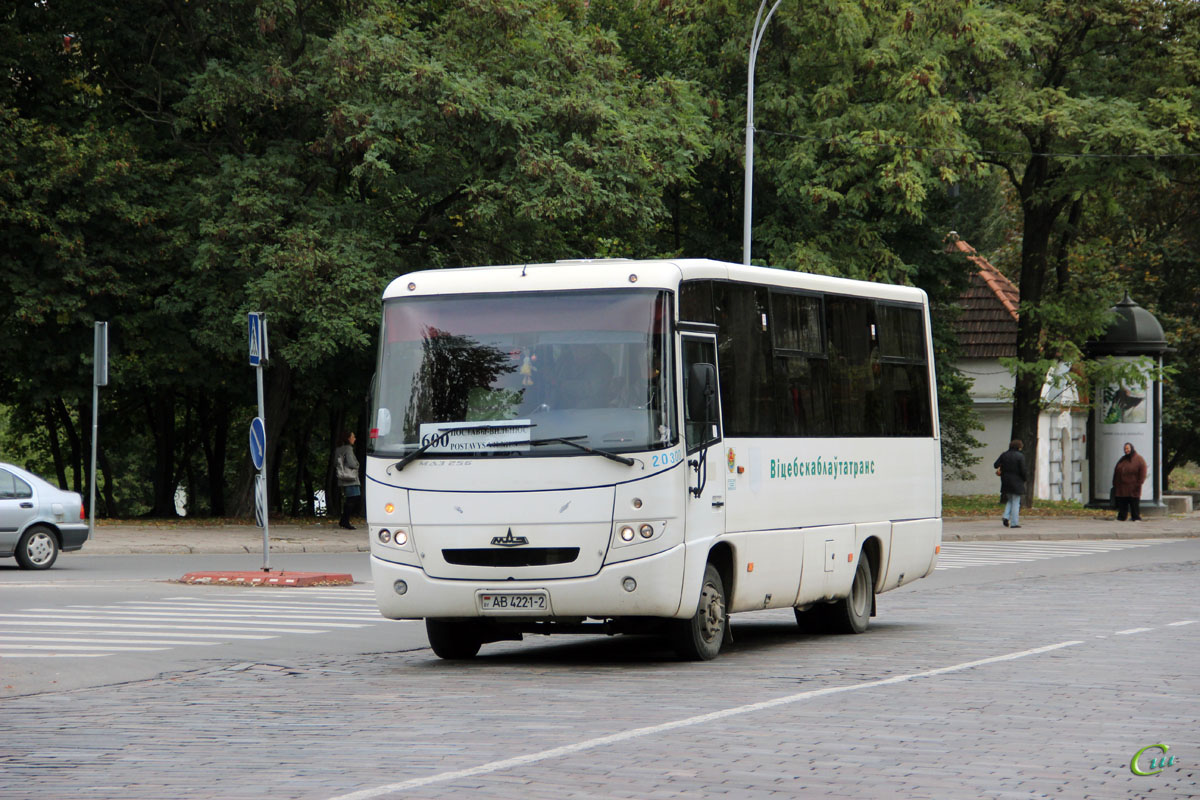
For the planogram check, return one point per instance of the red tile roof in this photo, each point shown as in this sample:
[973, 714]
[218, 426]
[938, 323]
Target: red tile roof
[987, 327]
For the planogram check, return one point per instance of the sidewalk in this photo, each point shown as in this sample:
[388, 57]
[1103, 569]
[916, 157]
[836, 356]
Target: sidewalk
[329, 538]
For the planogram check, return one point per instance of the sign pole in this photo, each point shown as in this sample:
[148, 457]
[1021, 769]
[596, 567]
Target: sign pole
[258, 355]
[99, 378]
[262, 473]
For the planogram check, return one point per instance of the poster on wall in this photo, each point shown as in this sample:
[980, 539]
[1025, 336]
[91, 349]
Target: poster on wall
[1125, 414]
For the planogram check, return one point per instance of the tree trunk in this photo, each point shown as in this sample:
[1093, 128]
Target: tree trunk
[60, 468]
[110, 505]
[214, 434]
[64, 419]
[160, 407]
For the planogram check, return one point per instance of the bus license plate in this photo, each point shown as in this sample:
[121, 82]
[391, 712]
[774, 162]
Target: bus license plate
[514, 601]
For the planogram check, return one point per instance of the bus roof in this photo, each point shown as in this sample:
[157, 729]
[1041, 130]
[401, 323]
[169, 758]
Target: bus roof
[622, 273]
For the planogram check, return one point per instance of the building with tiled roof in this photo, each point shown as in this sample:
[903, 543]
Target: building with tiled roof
[987, 332]
[987, 327]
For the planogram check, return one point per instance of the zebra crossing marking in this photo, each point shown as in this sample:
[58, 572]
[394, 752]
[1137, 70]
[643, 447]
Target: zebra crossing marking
[93, 631]
[957, 555]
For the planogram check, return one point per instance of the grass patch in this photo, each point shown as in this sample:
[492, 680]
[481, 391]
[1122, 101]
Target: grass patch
[989, 505]
[1185, 478]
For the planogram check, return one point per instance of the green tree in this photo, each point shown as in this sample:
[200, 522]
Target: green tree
[1069, 100]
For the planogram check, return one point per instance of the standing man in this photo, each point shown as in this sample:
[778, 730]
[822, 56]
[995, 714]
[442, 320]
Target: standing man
[1128, 477]
[1010, 466]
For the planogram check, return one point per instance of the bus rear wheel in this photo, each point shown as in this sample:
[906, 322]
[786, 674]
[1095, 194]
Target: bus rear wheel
[453, 639]
[851, 614]
[700, 638]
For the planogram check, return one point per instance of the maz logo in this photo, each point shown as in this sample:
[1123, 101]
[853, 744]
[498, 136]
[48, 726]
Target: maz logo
[1156, 764]
[508, 540]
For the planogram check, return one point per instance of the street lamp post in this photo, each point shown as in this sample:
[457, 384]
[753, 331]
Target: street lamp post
[760, 25]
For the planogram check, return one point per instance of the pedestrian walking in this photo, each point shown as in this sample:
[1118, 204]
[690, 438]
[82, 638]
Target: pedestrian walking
[1128, 476]
[346, 468]
[1010, 466]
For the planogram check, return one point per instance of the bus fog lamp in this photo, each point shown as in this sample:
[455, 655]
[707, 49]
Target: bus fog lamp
[628, 584]
[626, 533]
[400, 587]
[646, 530]
[385, 535]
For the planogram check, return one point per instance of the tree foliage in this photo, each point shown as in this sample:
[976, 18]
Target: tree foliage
[169, 166]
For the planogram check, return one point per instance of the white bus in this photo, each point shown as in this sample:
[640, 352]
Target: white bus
[646, 447]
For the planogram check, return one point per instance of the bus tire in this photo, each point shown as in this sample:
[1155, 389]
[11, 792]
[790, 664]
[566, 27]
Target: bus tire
[453, 639]
[700, 637]
[852, 613]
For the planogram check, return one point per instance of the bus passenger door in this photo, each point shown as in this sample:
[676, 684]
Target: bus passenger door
[705, 514]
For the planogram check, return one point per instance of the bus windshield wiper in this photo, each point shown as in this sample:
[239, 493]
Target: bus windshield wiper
[573, 442]
[415, 454]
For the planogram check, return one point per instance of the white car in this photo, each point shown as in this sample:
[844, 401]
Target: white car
[37, 520]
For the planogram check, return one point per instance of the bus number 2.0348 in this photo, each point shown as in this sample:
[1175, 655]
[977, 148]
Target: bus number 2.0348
[665, 459]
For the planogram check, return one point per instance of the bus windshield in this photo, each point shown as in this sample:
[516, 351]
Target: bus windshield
[536, 373]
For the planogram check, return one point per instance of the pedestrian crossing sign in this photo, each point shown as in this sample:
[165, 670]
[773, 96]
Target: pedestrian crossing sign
[258, 338]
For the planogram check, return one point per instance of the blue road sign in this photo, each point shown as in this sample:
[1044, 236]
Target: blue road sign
[258, 442]
[258, 338]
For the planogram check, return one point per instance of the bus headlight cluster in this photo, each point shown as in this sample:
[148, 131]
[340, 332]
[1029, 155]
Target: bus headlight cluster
[632, 532]
[398, 537]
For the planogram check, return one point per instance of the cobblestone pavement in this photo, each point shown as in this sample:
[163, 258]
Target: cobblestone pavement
[902, 711]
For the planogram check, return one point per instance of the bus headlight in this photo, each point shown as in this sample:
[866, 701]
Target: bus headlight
[627, 533]
[396, 537]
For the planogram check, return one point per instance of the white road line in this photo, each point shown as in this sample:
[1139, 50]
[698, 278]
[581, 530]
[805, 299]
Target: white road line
[189, 613]
[957, 555]
[1132, 630]
[176, 634]
[75, 647]
[5, 654]
[636, 733]
[142, 617]
[1181, 622]
[46, 623]
[332, 608]
[73, 640]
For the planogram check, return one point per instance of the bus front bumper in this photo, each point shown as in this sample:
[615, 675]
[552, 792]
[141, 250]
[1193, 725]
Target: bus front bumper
[657, 580]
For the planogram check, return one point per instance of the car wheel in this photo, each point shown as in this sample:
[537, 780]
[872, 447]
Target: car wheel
[37, 549]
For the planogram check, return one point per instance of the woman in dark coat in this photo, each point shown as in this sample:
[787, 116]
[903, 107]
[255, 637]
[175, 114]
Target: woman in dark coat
[1010, 466]
[1128, 477]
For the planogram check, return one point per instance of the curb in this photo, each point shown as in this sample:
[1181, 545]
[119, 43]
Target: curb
[269, 578]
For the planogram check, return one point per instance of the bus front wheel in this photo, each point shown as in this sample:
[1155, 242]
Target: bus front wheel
[700, 638]
[453, 639]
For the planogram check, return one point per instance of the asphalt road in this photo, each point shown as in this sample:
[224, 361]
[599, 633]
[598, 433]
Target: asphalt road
[1018, 673]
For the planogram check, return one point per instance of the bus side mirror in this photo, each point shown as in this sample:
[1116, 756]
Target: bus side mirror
[702, 394]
